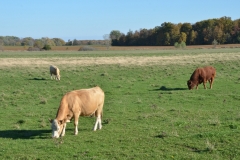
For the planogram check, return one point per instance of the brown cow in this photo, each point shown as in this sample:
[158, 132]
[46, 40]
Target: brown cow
[84, 102]
[202, 75]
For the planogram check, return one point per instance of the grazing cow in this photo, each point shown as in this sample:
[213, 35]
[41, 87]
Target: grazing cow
[54, 71]
[83, 102]
[202, 75]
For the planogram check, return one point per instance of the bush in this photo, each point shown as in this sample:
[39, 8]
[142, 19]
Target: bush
[214, 43]
[47, 47]
[87, 48]
[180, 45]
[176, 45]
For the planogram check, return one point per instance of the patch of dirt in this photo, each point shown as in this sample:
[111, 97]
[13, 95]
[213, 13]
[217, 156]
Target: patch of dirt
[124, 61]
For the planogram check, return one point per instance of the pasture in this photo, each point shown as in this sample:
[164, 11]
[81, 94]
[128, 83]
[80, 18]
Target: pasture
[148, 113]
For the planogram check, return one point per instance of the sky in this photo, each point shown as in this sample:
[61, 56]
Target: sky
[92, 19]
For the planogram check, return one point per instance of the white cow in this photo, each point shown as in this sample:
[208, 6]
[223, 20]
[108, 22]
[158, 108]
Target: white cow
[54, 71]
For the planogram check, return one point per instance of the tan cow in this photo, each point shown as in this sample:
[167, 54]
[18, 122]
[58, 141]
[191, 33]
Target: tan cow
[202, 75]
[83, 102]
[54, 71]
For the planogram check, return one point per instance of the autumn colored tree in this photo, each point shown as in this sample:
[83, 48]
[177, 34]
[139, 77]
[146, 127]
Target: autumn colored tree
[59, 41]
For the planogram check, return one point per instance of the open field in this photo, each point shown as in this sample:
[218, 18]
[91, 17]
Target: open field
[148, 114]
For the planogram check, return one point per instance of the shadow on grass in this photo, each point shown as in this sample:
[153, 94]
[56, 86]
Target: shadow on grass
[25, 134]
[164, 88]
[37, 79]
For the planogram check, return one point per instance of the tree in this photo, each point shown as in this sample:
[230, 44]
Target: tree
[69, 43]
[192, 37]
[115, 34]
[166, 39]
[47, 47]
[218, 34]
[75, 42]
[107, 38]
[27, 41]
[186, 28]
[214, 43]
[38, 43]
[121, 40]
[58, 41]
[47, 41]
[207, 35]
[182, 37]
[1, 45]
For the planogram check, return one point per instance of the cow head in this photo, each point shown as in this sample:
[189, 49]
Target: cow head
[57, 128]
[58, 77]
[190, 84]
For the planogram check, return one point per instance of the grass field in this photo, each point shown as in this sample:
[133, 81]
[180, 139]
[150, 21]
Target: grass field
[148, 114]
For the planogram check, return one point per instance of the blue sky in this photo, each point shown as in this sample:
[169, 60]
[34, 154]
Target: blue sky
[91, 19]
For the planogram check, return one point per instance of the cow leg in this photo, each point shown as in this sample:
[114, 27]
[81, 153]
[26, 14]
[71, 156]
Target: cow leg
[98, 122]
[204, 84]
[76, 126]
[98, 115]
[63, 131]
[211, 83]
[76, 116]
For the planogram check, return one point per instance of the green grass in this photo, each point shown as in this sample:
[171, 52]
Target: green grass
[148, 111]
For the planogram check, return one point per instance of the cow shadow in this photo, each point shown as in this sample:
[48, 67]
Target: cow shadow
[25, 134]
[37, 79]
[164, 88]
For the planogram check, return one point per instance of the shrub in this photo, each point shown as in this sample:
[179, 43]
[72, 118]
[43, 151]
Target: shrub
[87, 48]
[176, 45]
[180, 45]
[47, 47]
[214, 43]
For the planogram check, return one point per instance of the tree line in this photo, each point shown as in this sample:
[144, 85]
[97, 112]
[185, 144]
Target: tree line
[222, 30]
[40, 43]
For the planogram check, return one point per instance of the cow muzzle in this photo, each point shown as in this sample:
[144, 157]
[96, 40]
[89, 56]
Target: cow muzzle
[55, 135]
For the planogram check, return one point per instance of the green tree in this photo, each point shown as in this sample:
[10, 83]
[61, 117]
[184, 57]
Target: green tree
[58, 42]
[27, 41]
[47, 41]
[192, 37]
[115, 34]
[47, 47]
[38, 43]
[207, 35]
[218, 34]
[182, 37]
[167, 39]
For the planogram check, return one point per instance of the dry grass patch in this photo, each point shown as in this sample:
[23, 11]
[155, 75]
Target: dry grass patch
[120, 60]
